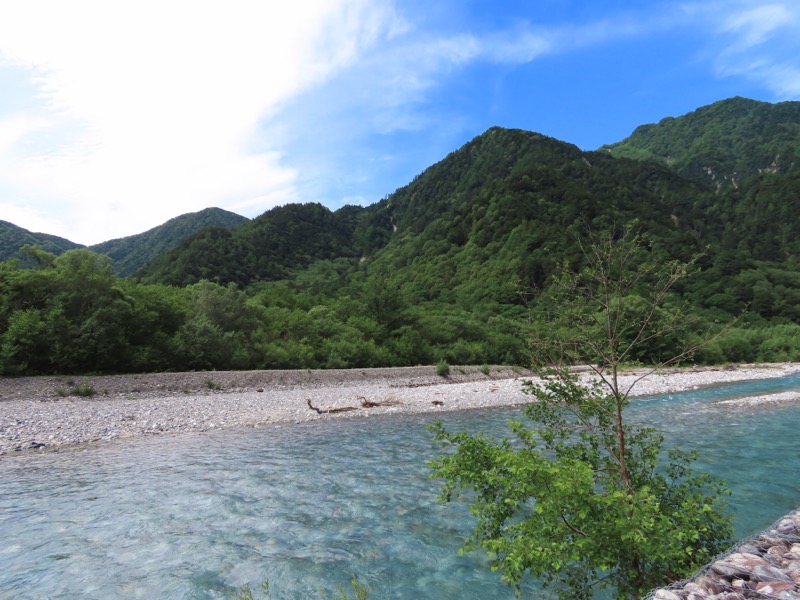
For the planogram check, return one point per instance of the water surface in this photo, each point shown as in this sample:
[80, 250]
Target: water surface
[308, 506]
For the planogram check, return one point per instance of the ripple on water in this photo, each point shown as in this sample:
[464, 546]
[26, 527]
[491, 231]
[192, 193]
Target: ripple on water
[312, 505]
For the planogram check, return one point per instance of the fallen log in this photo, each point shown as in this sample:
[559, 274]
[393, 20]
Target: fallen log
[322, 411]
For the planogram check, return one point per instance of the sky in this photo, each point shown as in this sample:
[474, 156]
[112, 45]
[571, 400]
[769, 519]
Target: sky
[117, 116]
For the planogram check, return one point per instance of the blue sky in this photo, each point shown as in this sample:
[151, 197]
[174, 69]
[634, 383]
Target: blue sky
[116, 116]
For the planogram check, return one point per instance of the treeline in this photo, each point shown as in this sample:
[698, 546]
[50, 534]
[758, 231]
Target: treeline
[71, 314]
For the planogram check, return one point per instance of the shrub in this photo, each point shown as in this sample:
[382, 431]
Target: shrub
[213, 385]
[442, 368]
[84, 390]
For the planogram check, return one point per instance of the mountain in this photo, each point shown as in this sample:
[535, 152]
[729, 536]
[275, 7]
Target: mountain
[499, 214]
[749, 153]
[13, 238]
[129, 254]
[723, 144]
[490, 223]
[272, 246]
[454, 266]
[489, 218]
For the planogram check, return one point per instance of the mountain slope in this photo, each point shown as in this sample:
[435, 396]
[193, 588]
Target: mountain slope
[13, 238]
[723, 144]
[133, 252]
[496, 216]
[490, 218]
[271, 246]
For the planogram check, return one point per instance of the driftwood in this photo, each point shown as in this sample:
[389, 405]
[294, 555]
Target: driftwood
[322, 411]
[370, 404]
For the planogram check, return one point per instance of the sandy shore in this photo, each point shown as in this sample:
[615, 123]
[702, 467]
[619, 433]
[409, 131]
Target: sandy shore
[44, 413]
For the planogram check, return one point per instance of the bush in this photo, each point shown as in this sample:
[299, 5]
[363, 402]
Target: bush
[84, 390]
[442, 368]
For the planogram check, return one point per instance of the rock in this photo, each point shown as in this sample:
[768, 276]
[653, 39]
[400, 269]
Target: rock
[696, 590]
[769, 573]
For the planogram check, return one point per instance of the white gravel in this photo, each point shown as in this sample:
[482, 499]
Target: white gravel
[39, 414]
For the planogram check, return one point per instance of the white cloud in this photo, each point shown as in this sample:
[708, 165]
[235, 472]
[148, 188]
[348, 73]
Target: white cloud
[754, 26]
[161, 100]
[758, 41]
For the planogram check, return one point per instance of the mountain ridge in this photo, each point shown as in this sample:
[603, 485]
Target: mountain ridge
[721, 147]
[454, 266]
[131, 253]
[722, 143]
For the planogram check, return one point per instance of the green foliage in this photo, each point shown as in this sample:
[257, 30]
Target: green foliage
[579, 498]
[84, 390]
[130, 254]
[13, 239]
[552, 502]
[442, 368]
[721, 144]
[212, 385]
[271, 247]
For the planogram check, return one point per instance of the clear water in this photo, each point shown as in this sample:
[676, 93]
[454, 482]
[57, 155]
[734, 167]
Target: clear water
[309, 506]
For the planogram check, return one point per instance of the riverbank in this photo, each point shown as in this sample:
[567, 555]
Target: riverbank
[50, 413]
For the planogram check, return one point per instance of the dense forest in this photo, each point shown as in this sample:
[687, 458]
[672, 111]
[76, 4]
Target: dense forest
[452, 267]
[129, 254]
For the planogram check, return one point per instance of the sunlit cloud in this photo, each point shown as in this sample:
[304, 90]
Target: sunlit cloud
[161, 101]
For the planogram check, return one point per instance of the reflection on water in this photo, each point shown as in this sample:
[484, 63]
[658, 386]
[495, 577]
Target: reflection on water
[309, 506]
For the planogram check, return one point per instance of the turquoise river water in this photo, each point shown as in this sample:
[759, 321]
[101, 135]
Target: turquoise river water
[308, 506]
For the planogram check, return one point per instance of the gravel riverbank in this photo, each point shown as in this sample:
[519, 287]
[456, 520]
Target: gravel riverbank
[45, 413]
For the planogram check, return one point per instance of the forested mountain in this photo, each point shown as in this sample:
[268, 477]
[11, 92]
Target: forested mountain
[129, 254]
[495, 217]
[496, 211]
[13, 238]
[723, 144]
[450, 267]
[270, 247]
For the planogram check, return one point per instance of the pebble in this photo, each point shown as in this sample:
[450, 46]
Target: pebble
[29, 423]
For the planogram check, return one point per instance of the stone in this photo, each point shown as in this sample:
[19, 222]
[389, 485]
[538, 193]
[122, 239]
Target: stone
[769, 573]
[666, 595]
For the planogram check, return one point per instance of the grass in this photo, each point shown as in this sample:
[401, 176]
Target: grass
[213, 385]
[84, 390]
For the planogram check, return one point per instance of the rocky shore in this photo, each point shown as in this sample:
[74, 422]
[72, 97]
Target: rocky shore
[764, 566]
[50, 413]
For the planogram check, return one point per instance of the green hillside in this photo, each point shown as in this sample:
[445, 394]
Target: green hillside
[270, 247]
[133, 252]
[13, 238]
[495, 217]
[723, 144]
[455, 266]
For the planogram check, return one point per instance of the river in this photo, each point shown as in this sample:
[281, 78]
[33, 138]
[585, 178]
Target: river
[308, 506]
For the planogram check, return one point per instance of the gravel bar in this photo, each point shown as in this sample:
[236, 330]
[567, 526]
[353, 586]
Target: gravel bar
[46, 414]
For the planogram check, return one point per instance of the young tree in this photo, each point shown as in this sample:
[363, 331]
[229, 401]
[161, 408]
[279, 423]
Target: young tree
[581, 499]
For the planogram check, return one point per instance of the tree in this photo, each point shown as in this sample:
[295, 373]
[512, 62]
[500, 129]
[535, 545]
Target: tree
[582, 499]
